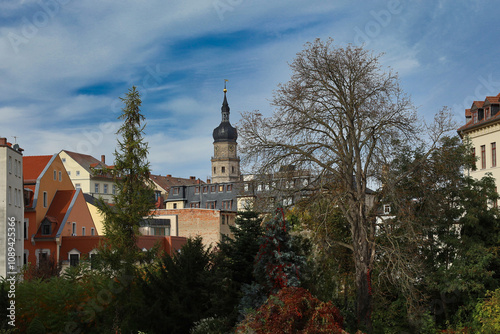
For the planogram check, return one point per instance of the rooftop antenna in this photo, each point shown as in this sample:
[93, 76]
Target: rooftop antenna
[15, 139]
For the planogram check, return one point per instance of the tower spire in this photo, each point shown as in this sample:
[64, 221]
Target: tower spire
[225, 105]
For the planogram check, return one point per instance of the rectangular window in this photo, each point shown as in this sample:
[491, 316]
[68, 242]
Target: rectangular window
[114, 189]
[223, 169]
[74, 260]
[77, 173]
[194, 205]
[245, 187]
[215, 169]
[229, 187]
[210, 205]
[221, 188]
[227, 205]
[223, 218]
[196, 190]
[105, 190]
[15, 167]
[483, 156]
[60, 176]
[73, 232]
[92, 231]
[26, 224]
[176, 191]
[10, 165]
[205, 189]
[493, 154]
[44, 199]
[69, 173]
[212, 189]
[77, 186]
[55, 175]
[46, 229]
[83, 231]
[96, 190]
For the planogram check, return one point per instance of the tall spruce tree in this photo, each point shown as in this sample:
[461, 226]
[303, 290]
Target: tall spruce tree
[134, 196]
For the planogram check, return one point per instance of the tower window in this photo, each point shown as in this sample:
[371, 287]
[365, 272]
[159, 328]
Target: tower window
[215, 170]
[223, 170]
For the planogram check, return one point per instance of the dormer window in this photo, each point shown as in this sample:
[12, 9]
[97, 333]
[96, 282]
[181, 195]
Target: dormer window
[46, 227]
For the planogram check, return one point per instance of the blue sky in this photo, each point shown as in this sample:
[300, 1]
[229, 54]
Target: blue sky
[64, 63]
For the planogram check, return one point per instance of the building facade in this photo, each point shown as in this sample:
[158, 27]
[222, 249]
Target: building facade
[89, 174]
[482, 129]
[53, 209]
[11, 208]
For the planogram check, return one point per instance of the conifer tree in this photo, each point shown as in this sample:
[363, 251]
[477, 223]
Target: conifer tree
[276, 264]
[134, 196]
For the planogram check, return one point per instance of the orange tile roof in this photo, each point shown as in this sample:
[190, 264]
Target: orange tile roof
[493, 99]
[33, 166]
[60, 204]
[478, 104]
[468, 113]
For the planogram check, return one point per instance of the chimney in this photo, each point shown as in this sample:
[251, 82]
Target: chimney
[3, 141]
[192, 177]
[103, 159]
[169, 175]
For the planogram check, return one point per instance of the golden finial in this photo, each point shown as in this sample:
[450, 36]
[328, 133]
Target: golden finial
[225, 90]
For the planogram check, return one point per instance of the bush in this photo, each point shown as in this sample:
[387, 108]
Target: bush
[487, 313]
[293, 310]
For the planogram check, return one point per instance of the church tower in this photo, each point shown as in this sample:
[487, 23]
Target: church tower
[225, 162]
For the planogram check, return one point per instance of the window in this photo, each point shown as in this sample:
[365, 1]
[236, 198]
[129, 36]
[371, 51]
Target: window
[212, 189]
[55, 175]
[77, 173]
[175, 205]
[73, 231]
[25, 259]
[245, 187]
[176, 191]
[483, 156]
[205, 189]
[215, 170]
[15, 167]
[9, 194]
[69, 173]
[159, 230]
[493, 154]
[194, 205]
[223, 219]
[83, 230]
[223, 169]
[113, 189]
[227, 205]
[210, 205]
[105, 190]
[387, 209]
[259, 187]
[77, 186]
[96, 188]
[63, 160]
[94, 258]
[10, 165]
[232, 169]
[44, 199]
[229, 187]
[221, 188]
[92, 231]
[60, 176]
[46, 228]
[74, 259]
[196, 190]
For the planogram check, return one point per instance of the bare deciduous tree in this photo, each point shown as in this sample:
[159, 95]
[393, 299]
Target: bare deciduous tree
[341, 114]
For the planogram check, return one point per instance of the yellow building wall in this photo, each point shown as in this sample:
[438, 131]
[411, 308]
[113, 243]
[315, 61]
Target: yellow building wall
[486, 136]
[98, 219]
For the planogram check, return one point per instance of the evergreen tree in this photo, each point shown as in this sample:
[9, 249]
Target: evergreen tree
[276, 264]
[134, 196]
[134, 200]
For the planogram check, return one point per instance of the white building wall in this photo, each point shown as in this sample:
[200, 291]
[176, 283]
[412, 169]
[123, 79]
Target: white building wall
[11, 210]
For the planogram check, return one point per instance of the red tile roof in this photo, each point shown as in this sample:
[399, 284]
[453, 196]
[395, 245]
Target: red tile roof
[468, 113]
[478, 104]
[33, 166]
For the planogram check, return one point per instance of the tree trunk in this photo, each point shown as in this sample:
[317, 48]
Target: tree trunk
[363, 260]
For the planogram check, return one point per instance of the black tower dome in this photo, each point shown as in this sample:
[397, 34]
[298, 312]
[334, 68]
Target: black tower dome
[225, 131]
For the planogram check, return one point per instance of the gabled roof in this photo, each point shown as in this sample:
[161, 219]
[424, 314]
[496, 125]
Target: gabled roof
[85, 160]
[493, 99]
[477, 104]
[33, 166]
[168, 181]
[58, 211]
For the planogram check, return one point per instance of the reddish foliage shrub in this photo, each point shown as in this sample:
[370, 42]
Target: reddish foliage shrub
[293, 310]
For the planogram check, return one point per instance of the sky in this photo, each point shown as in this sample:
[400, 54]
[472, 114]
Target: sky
[64, 64]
